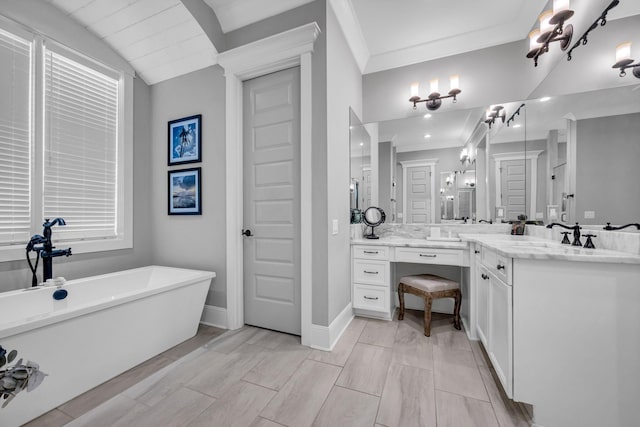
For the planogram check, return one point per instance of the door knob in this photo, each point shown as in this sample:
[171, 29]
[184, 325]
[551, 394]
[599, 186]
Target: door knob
[247, 233]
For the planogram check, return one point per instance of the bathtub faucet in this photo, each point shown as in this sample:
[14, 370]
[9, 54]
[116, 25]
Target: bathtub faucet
[44, 248]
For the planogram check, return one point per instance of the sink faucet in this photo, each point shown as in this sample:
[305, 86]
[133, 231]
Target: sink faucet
[576, 232]
[610, 228]
[43, 247]
[484, 220]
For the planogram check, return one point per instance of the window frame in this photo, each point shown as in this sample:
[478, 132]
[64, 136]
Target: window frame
[124, 188]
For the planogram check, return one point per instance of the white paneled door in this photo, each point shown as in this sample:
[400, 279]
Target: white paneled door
[418, 193]
[272, 201]
[513, 188]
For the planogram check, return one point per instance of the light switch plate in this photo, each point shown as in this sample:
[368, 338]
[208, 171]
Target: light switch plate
[589, 214]
[335, 227]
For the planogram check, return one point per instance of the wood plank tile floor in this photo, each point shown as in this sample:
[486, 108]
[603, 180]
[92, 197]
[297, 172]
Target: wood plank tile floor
[379, 374]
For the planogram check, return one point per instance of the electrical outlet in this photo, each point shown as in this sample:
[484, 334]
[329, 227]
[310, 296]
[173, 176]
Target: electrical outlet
[589, 214]
[335, 227]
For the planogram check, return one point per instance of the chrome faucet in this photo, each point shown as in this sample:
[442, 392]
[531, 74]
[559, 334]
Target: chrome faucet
[576, 232]
[43, 247]
[610, 228]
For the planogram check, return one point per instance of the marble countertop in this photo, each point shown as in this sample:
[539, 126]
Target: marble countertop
[529, 247]
[397, 241]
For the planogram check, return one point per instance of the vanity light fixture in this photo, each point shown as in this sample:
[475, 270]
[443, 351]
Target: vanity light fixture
[516, 113]
[434, 100]
[495, 112]
[624, 61]
[552, 29]
[467, 156]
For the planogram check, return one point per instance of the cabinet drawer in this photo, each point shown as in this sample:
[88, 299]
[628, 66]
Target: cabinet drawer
[497, 264]
[430, 256]
[371, 252]
[374, 298]
[371, 272]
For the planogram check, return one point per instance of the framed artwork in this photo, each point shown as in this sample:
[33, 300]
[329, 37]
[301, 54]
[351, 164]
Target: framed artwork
[185, 140]
[184, 194]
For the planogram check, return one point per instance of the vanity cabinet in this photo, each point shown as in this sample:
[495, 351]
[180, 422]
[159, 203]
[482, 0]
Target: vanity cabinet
[494, 308]
[371, 274]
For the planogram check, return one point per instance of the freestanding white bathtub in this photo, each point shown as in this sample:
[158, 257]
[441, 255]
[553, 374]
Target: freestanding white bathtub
[106, 325]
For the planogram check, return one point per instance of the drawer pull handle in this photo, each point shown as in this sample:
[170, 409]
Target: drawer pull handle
[373, 298]
[476, 251]
[370, 272]
[500, 267]
[484, 276]
[428, 255]
[371, 252]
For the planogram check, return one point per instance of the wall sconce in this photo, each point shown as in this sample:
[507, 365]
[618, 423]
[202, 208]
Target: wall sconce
[552, 29]
[624, 61]
[467, 156]
[434, 100]
[493, 113]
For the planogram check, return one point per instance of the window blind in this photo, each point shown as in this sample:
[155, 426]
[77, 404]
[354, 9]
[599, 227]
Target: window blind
[15, 138]
[80, 148]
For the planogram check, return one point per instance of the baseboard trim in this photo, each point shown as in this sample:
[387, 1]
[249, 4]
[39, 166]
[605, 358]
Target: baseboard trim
[326, 337]
[214, 316]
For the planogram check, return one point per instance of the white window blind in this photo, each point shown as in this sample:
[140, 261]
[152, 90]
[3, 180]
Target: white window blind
[15, 138]
[80, 148]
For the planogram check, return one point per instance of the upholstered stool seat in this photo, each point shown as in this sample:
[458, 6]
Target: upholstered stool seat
[430, 287]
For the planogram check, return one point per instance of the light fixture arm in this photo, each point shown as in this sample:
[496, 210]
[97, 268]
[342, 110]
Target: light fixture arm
[602, 21]
[560, 33]
[635, 69]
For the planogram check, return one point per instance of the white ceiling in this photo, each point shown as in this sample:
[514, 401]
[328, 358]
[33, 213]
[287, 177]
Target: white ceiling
[162, 39]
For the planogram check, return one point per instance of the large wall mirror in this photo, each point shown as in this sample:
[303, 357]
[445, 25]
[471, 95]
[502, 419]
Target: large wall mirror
[422, 177]
[360, 188]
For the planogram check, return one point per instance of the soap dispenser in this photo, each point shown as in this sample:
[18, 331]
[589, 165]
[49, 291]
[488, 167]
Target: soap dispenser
[517, 227]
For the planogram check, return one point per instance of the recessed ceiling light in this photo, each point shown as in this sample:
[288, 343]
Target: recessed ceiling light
[427, 135]
[545, 98]
[361, 144]
[515, 126]
[427, 116]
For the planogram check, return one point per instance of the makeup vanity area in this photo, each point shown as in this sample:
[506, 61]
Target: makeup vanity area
[560, 323]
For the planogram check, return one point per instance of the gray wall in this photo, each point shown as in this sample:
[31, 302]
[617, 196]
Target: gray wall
[191, 241]
[384, 177]
[52, 22]
[607, 172]
[344, 90]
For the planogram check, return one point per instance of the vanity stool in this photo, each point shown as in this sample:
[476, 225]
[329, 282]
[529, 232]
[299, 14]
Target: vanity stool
[429, 287]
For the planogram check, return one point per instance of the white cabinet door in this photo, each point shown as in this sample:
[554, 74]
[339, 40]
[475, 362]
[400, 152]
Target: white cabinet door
[500, 348]
[482, 305]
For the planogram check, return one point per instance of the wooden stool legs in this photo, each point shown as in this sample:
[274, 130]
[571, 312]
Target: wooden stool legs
[428, 300]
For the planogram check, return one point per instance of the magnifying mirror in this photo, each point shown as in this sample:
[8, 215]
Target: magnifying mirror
[373, 217]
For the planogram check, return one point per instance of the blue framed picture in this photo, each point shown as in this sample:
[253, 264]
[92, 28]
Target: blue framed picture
[184, 192]
[185, 140]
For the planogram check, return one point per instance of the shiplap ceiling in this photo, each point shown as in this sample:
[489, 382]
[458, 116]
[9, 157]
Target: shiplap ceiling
[159, 38]
[162, 39]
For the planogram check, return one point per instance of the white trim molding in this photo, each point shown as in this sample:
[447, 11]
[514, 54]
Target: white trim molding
[288, 49]
[326, 337]
[532, 175]
[214, 316]
[431, 163]
[348, 21]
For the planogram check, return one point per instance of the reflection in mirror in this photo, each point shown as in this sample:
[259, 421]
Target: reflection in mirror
[413, 155]
[457, 196]
[360, 166]
[589, 170]
[509, 167]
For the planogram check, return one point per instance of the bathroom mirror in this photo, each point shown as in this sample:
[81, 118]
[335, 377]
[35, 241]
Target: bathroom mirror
[360, 165]
[373, 217]
[413, 155]
[591, 155]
